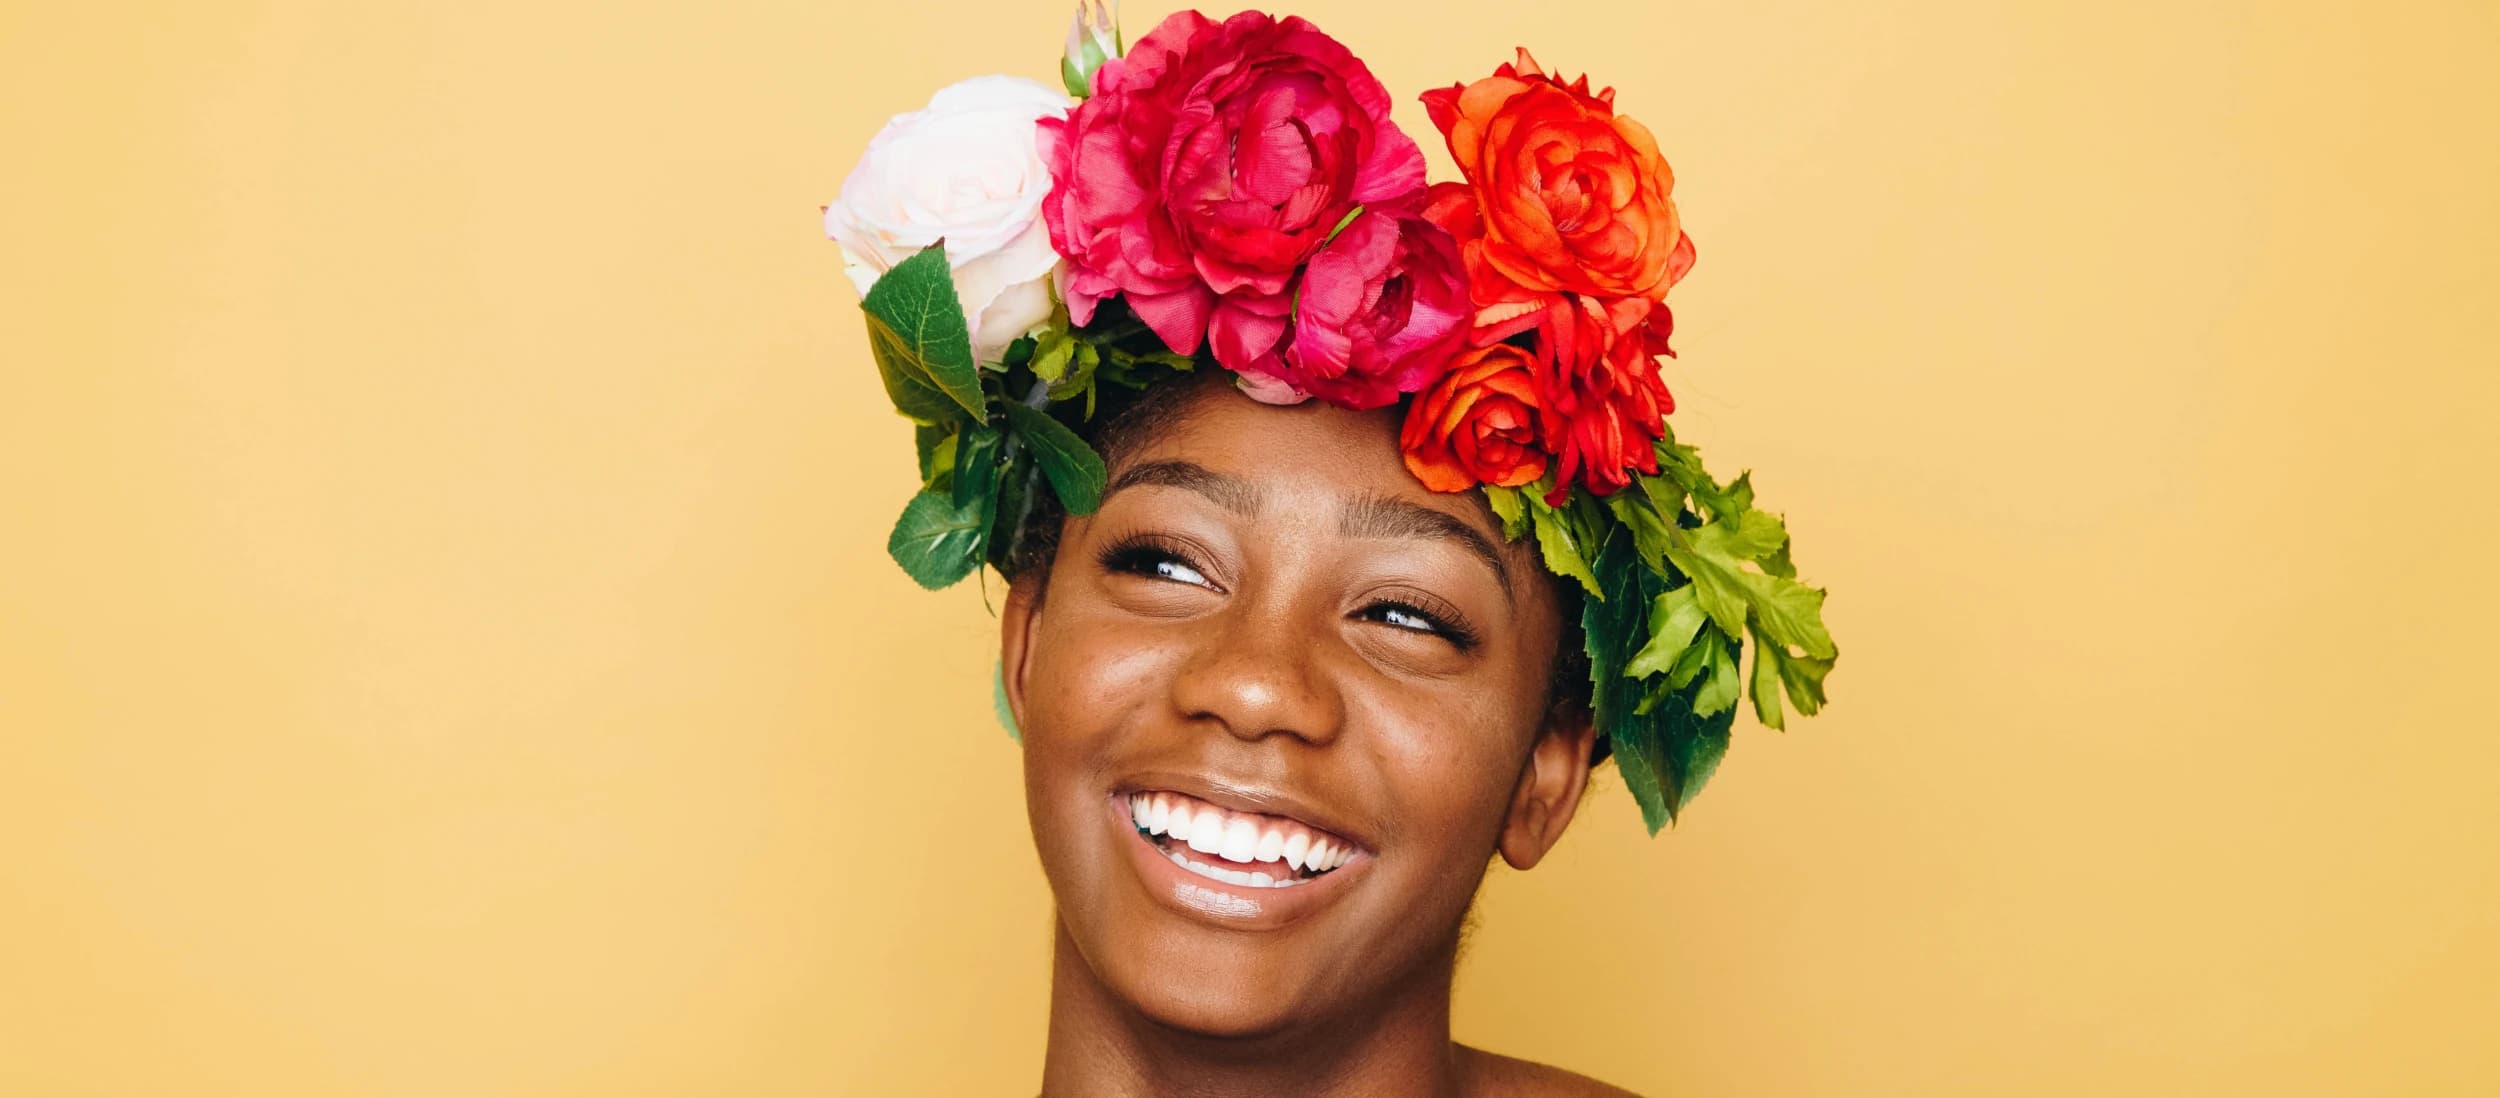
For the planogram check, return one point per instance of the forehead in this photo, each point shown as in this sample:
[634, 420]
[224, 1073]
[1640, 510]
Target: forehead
[1317, 458]
[1310, 446]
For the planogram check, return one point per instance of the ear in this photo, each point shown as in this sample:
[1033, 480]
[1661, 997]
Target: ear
[1548, 793]
[1016, 623]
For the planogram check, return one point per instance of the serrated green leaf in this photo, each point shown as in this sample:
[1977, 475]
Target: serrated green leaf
[1749, 535]
[1508, 507]
[1715, 582]
[1803, 676]
[977, 452]
[1075, 471]
[1719, 687]
[1649, 528]
[1791, 612]
[1559, 546]
[1765, 684]
[1674, 618]
[916, 330]
[937, 542]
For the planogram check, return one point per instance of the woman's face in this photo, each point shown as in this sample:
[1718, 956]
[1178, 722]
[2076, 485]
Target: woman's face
[1327, 679]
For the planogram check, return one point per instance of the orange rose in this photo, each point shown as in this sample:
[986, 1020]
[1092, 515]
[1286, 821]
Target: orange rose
[1477, 425]
[1572, 197]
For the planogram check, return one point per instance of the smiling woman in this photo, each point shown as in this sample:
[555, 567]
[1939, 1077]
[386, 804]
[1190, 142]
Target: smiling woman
[1280, 705]
[1343, 527]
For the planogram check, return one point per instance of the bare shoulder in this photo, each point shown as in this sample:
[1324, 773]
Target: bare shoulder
[1489, 1073]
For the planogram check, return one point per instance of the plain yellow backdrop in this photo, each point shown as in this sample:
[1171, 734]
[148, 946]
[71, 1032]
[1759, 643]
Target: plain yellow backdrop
[447, 646]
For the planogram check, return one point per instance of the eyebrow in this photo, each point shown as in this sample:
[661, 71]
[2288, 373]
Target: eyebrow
[1229, 492]
[1384, 517]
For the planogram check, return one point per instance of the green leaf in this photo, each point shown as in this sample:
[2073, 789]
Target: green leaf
[1512, 510]
[1016, 484]
[1803, 676]
[1715, 582]
[937, 450]
[1559, 545]
[1791, 612]
[1649, 528]
[1719, 688]
[916, 330]
[1765, 685]
[937, 542]
[1750, 535]
[1075, 471]
[1673, 619]
[1052, 355]
[976, 464]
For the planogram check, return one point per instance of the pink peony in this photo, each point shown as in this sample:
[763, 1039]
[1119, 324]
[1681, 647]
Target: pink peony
[1381, 309]
[1208, 167]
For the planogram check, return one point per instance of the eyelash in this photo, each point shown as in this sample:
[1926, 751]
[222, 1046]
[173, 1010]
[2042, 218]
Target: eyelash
[1148, 556]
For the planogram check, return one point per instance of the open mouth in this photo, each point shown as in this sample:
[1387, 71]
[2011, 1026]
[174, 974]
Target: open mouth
[1238, 848]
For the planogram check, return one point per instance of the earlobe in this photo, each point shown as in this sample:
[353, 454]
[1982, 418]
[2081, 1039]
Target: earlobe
[1016, 622]
[1548, 794]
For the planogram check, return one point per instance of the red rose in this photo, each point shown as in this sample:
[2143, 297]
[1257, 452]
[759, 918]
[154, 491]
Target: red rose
[1209, 165]
[1378, 313]
[1478, 425]
[1602, 403]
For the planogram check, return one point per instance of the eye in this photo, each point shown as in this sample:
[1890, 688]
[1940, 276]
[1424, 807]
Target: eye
[1153, 560]
[1415, 619]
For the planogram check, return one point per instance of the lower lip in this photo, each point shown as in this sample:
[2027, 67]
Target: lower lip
[1230, 905]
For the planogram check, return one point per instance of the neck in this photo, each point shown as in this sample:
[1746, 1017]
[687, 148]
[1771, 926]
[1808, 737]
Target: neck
[1100, 1045]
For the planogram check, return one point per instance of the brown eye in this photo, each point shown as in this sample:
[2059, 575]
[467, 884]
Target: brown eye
[1152, 561]
[1415, 619]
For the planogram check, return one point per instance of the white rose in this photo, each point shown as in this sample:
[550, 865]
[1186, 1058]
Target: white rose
[966, 169]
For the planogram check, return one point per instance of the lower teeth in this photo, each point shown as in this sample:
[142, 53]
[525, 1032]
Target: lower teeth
[1246, 878]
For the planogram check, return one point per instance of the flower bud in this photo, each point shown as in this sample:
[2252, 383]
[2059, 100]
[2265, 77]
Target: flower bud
[1093, 38]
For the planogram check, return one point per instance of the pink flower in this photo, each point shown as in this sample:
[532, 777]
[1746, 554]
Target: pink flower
[1211, 163]
[1381, 309]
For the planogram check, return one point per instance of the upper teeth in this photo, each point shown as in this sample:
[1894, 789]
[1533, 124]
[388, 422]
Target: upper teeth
[1243, 838]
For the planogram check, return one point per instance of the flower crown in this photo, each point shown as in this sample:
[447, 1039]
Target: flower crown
[1235, 192]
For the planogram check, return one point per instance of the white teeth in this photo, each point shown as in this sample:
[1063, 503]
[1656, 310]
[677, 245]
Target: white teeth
[1206, 832]
[1241, 839]
[1237, 839]
[1271, 846]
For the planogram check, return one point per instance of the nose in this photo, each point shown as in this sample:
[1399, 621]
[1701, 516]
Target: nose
[1261, 674]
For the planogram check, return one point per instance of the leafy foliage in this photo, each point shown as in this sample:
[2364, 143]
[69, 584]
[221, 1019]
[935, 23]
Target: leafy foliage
[1681, 572]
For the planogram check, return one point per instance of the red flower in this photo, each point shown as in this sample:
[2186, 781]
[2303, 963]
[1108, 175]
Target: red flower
[1601, 400]
[1478, 425]
[1574, 198]
[1208, 167]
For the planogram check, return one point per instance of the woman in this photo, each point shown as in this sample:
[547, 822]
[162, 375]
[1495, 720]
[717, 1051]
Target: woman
[1280, 705]
[1343, 525]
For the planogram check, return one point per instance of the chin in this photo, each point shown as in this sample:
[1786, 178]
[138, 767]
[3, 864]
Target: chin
[1218, 932]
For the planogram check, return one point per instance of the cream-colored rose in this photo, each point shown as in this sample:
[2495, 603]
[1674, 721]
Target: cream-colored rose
[964, 169]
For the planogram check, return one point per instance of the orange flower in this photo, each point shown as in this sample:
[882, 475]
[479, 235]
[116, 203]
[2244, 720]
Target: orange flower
[1573, 197]
[1477, 425]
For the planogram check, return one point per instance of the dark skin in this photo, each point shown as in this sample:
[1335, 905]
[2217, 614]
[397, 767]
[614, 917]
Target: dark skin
[1270, 612]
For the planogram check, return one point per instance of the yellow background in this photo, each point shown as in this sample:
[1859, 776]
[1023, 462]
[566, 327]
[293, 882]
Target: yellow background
[447, 646]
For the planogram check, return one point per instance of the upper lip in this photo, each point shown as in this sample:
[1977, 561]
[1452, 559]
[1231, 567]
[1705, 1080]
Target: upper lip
[1245, 797]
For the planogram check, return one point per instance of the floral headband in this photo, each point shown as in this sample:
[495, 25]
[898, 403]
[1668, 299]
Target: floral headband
[1235, 192]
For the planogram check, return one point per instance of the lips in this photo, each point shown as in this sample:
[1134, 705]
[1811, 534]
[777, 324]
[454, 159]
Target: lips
[1248, 849]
